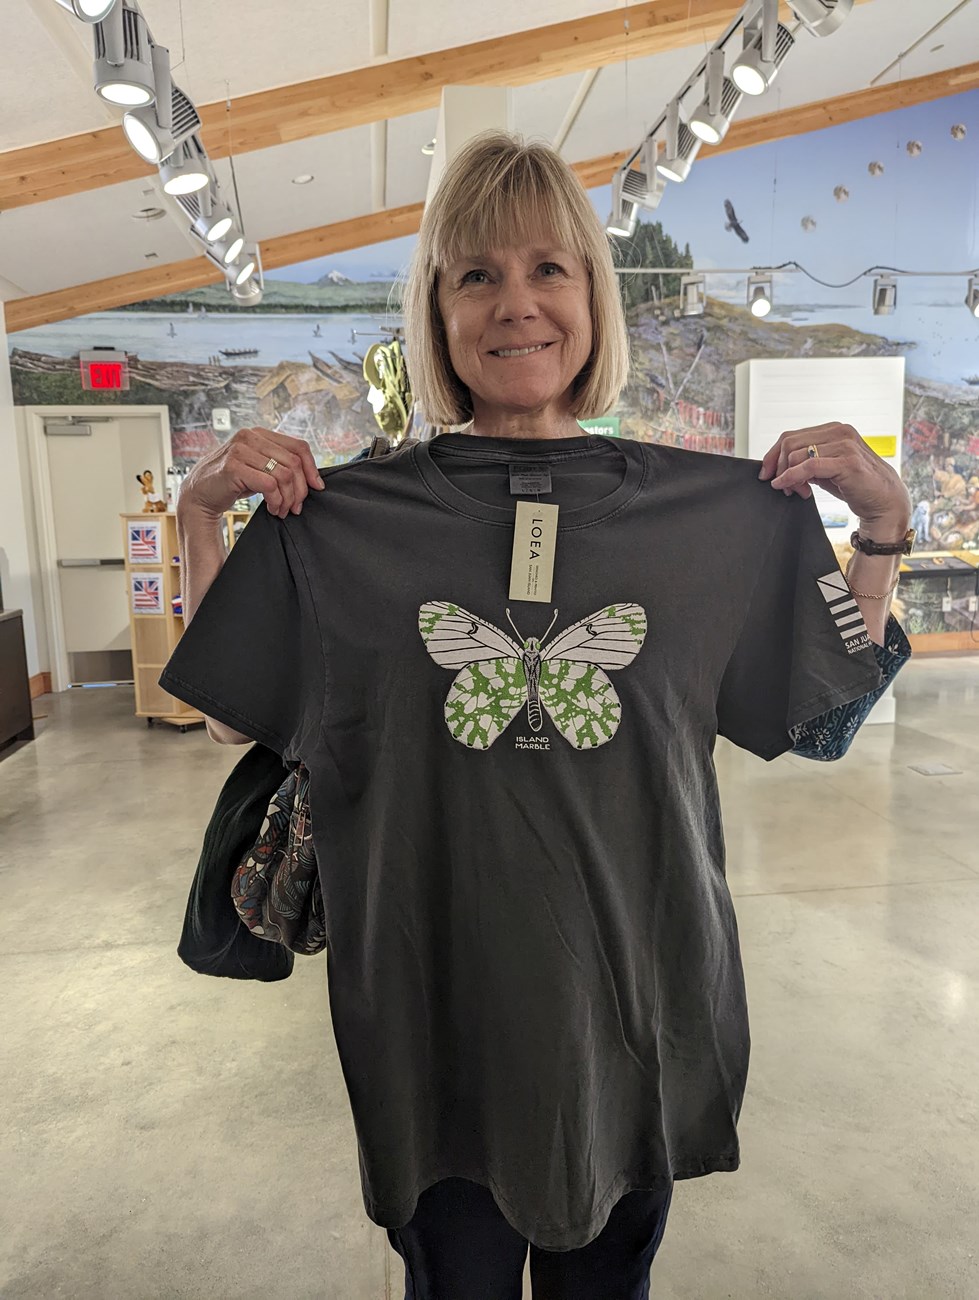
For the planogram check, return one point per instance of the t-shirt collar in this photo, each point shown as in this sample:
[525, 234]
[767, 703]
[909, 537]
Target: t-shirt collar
[546, 450]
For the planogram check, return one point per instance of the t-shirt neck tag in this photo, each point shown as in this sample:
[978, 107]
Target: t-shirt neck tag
[529, 479]
[534, 547]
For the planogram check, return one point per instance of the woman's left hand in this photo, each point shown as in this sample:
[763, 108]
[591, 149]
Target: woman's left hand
[845, 466]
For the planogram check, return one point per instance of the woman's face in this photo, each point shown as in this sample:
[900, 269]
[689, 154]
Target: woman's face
[497, 306]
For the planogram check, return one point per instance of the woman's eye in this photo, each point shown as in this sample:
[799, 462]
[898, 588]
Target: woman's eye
[467, 278]
[548, 267]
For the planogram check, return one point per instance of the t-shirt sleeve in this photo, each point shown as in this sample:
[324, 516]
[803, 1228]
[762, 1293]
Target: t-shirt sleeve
[252, 657]
[803, 647]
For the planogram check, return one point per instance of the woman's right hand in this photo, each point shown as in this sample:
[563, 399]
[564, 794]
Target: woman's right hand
[238, 469]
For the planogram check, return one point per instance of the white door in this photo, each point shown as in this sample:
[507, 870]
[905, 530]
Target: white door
[93, 481]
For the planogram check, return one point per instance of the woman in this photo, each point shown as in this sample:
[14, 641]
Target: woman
[535, 980]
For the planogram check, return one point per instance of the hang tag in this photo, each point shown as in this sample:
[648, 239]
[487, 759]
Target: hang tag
[534, 547]
[530, 479]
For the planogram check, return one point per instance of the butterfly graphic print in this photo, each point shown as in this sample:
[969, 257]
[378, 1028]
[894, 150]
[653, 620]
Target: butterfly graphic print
[566, 677]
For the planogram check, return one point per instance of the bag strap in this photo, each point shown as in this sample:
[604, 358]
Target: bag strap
[381, 446]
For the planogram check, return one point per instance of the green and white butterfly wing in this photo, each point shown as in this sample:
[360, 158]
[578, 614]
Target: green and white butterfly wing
[484, 699]
[582, 702]
[574, 687]
[491, 685]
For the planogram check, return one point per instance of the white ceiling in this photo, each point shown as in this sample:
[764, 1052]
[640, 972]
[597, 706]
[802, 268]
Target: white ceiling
[90, 236]
[243, 46]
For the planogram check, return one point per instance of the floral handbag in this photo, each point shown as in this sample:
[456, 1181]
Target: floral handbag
[276, 889]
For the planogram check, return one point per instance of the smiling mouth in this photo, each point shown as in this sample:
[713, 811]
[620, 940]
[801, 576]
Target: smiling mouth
[519, 352]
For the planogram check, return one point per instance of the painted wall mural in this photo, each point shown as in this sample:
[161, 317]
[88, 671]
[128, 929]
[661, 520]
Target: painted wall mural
[899, 190]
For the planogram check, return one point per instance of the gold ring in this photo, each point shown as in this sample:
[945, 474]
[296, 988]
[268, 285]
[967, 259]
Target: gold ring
[270, 466]
[812, 452]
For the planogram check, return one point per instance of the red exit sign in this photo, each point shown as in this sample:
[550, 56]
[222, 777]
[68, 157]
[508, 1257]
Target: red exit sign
[104, 369]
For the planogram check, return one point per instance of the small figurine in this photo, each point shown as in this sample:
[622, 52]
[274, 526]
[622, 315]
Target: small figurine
[153, 503]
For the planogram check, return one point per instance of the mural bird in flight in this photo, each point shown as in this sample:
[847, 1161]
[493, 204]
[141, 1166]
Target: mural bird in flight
[733, 223]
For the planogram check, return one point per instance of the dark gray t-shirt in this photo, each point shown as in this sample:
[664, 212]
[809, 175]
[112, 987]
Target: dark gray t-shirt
[534, 971]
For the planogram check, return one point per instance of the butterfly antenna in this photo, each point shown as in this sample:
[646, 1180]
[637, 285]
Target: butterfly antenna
[549, 626]
[514, 626]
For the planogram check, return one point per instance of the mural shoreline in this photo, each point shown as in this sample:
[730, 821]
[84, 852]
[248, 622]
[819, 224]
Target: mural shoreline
[680, 392]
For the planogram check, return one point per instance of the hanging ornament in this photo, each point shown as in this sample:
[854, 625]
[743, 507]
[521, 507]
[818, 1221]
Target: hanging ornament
[389, 391]
[914, 148]
[959, 131]
[808, 223]
[876, 169]
[841, 194]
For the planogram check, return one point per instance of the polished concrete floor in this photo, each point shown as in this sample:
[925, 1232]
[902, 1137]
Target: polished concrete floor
[169, 1135]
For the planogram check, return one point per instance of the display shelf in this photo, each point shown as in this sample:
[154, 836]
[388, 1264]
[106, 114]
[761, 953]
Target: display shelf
[932, 575]
[231, 517]
[153, 557]
[921, 576]
[152, 583]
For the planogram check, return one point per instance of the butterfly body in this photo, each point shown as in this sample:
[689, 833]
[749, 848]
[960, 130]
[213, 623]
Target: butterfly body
[565, 677]
[531, 668]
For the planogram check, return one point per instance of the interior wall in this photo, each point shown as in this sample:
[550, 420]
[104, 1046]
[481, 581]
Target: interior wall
[19, 574]
[33, 550]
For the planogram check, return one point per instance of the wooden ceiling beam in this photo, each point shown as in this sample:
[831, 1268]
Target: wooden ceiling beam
[289, 250]
[195, 272]
[380, 91]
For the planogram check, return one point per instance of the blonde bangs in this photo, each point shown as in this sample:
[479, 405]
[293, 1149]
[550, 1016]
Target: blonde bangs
[500, 193]
[512, 203]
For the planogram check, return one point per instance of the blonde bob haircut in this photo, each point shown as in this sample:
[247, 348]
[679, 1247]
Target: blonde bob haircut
[499, 192]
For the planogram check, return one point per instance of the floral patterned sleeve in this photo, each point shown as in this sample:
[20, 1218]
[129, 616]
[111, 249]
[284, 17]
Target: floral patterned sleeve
[829, 736]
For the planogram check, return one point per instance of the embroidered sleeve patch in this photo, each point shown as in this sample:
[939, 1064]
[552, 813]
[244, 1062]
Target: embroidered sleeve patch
[845, 611]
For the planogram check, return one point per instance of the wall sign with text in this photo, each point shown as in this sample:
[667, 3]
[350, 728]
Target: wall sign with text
[104, 370]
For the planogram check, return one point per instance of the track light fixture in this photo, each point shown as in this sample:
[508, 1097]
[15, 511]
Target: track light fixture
[89, 11]
[760, 294]
[676, 167]
[693, 295]
[216, 224]
[682, 146]
[822, 17]
[186, 170]
[655, 182]
[240, 270]
[624, 216]
[248, 294]
[155, 130]
[209, 218]
[161, 123]
[228, 248]
[766, 47]
[633, 189]
[123, 58]
[642, 189]
[885, 295]
[215, 220]
[713, 116]
[972, 296]
[766, 43]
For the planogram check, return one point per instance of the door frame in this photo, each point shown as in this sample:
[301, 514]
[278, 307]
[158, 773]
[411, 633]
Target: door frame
[47, 546]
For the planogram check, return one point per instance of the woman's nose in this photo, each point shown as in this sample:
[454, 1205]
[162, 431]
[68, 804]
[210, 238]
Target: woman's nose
[516, 300]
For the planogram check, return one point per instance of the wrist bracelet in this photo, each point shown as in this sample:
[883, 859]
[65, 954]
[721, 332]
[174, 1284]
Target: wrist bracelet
[869, 595]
